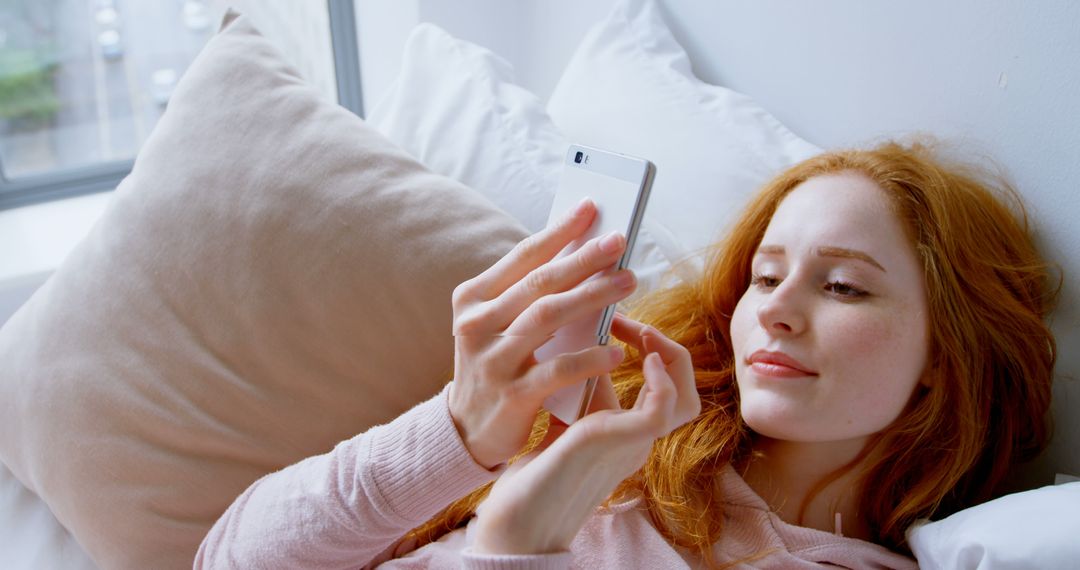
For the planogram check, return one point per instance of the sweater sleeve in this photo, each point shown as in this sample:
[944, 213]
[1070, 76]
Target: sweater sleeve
[343, 508]
[554, 561]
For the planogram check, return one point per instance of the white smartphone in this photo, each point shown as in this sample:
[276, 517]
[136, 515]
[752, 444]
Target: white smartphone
[619, 186]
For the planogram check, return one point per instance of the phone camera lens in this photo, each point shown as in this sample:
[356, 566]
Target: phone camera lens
[577, 157]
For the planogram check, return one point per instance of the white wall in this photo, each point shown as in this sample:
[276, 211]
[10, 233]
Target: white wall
[381, 28]
[536, 37]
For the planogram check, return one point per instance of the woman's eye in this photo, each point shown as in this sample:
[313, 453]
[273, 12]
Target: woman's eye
[838, 288]
[844, 289]
[764, 281]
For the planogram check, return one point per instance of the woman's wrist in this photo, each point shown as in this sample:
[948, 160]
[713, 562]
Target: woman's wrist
[513, 542]
[473, 447]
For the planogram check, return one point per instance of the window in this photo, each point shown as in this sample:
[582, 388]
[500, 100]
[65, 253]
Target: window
[83, 82]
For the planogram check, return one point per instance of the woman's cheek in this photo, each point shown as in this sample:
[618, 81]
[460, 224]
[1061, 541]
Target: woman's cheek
[740, 325]
[880, 364]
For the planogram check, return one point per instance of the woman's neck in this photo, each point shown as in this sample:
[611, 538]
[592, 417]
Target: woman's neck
[785, 473]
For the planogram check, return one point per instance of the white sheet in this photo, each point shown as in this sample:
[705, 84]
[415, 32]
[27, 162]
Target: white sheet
[30, 536]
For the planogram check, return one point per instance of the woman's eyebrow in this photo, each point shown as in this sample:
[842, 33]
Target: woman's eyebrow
[827, 251]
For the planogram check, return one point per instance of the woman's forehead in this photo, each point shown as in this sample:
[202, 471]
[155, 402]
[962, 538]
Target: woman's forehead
[845, 210]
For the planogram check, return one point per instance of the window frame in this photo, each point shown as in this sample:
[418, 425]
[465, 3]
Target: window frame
[106, 176]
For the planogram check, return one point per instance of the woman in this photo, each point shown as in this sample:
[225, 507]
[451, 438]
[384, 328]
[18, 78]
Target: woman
[867, 348]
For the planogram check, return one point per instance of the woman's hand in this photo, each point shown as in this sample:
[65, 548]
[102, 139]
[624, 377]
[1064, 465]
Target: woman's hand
[541, 502]
[511, 309]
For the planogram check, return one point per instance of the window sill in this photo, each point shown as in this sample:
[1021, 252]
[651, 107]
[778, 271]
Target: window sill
[35, 239]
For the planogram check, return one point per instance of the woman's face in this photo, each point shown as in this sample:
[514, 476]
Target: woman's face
[830, 339]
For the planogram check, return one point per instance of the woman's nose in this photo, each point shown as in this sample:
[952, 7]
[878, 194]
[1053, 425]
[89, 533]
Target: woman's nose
[781, 311]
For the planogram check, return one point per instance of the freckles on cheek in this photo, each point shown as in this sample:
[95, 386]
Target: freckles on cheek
[878, 363]
[876, 333]
[865, 349]
[862, 337]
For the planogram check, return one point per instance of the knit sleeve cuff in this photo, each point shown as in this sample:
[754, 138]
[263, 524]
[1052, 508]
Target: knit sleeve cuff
[556, 561]
[419, 463]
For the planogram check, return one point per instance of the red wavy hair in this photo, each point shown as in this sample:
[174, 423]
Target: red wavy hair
[991, 354]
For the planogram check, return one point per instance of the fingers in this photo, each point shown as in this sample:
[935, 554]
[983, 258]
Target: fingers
[530, 253]
[546, 315]
[640, 400]
[661, 396]
[564, 370]
[655, 404]
[632, 332]
[628, 331]
[672, 357]
[556, 277]
[655, 413]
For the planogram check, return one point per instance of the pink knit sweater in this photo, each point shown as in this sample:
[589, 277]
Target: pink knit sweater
[350, 507]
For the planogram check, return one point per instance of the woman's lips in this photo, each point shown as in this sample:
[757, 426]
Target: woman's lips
[777, 370]
[777, 364]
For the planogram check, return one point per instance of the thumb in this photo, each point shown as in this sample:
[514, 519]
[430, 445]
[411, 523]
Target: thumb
[556, 427]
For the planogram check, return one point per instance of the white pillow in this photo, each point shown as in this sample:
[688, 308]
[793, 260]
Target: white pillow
[629, 86]
[455, 107]
[1033, 529]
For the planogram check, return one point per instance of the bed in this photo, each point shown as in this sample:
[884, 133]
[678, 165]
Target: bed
[107, 466]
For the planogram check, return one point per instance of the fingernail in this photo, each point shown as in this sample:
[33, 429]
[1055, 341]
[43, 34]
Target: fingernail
[616, 353]
[611, 242]
[581, 207]
[623, 279]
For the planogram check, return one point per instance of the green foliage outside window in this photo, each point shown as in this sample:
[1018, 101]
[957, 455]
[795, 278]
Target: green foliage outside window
[27, 97]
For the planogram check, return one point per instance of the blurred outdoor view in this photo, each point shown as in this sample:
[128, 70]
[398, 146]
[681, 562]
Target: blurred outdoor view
[84, 81]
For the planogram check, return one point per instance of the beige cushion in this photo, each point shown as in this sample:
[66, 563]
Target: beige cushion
[273, 277]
